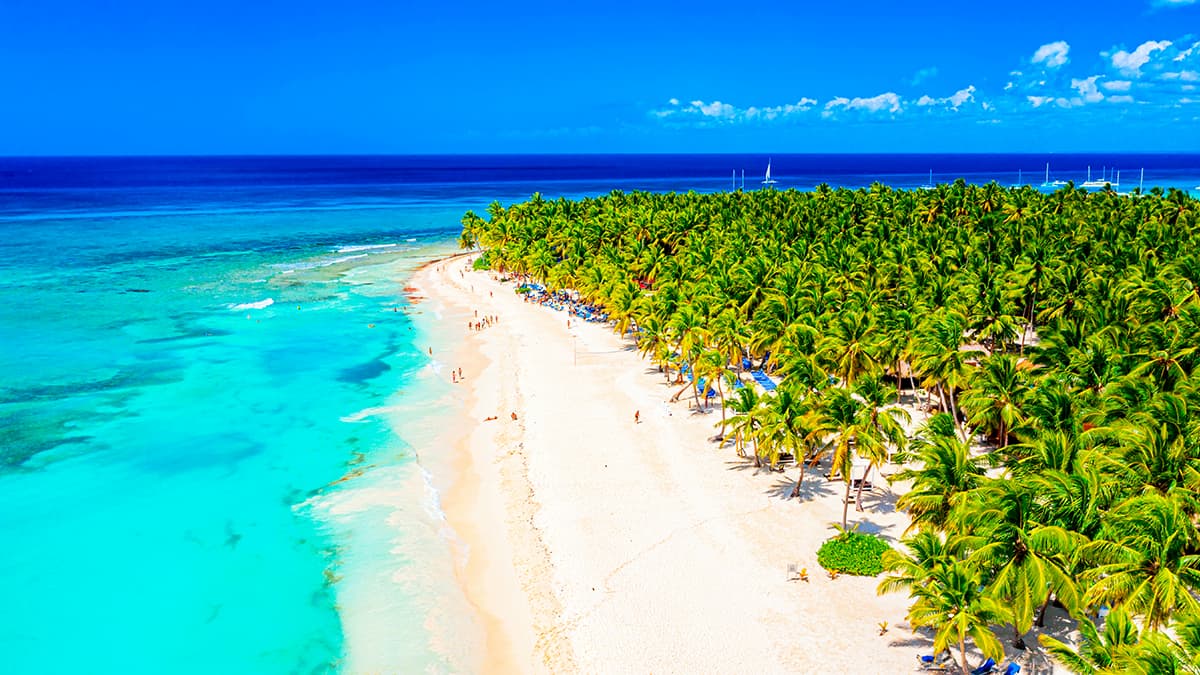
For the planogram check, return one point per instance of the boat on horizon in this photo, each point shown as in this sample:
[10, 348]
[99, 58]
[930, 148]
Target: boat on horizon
[768, 181]
[1089, 183]
[1047, 182]
[929, 185]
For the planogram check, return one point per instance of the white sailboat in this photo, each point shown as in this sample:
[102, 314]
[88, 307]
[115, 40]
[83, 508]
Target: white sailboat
[1089, 183]
[1048, 183]
[1020, 182]
[929, 185]
[768, 181]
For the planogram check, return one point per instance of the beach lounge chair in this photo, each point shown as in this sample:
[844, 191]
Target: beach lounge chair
[1012, 669]
[934, 661]
[987, 668]
[761, 378]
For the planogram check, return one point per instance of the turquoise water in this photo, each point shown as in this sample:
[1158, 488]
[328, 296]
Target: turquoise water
[181, 394]
[219, 420]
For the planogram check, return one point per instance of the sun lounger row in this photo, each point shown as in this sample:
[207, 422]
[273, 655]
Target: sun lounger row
[763, 380]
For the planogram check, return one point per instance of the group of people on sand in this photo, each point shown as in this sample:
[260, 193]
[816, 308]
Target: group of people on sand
[456, 376]
[488, 321]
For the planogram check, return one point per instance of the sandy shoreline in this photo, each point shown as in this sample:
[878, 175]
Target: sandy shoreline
[598, 545]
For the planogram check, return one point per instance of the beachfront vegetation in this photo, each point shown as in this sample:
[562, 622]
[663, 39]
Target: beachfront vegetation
[853, 552]
[1053, 336]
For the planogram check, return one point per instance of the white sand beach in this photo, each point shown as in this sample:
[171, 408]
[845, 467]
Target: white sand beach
[601, 545]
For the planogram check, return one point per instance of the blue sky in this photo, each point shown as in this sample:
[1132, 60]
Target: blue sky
[264, 76]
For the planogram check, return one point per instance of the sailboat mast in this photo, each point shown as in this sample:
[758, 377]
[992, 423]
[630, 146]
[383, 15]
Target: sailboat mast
[1047, 174]
[1142, 179]
[743, 179]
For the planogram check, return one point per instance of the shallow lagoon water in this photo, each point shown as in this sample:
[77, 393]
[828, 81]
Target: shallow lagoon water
[212, 399]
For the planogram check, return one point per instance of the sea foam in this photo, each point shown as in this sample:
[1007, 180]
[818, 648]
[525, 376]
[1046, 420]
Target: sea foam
[365, 247]
[261, 304]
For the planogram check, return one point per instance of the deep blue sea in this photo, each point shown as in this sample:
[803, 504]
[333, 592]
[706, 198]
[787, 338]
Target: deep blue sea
[213, 394]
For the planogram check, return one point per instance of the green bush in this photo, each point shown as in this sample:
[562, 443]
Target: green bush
[853, 553]
[481, 263]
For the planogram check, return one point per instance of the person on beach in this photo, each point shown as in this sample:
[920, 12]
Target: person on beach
[637, 416]
[460, 373]
[514, 416]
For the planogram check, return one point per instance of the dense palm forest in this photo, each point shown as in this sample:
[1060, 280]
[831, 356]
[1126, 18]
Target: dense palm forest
[1054, 336]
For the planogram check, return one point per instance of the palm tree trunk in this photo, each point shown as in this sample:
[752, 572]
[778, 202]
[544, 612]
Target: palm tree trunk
[962, 650]
[796, 490]
[954, 412]
[1029, 326]
[695, 393]
[1018, 641]
[858, 499]
[846, 503]
[1041, 620]
[721, 394]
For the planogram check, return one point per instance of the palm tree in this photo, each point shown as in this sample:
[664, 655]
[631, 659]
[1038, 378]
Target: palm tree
[953, 603]
[781, 430]
[947, 471]
[887, 421]
[996, 393]
[849, 347]
[850, 422]
[743, 403]
[687, 325]
[1027, 559]
[1098, 652]
[938, 353]
[1145, 560]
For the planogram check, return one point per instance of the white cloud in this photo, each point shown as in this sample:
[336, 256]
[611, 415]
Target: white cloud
[1183, 75]
[775, 112]
[1130, 63]
[886, 102]
[1122, 98]
[1116, 85]
[1053, 54]
[1088, 91]
[1172, 3]
[717, 111]
[1059, 101]
[1187, 53]
[952, 102]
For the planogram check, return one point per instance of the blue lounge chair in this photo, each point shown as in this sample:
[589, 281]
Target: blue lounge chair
[1012, 669]
[934, 661]
[987, 668]
[761, 378]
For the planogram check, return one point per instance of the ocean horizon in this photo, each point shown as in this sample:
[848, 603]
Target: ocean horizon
[219, 411]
